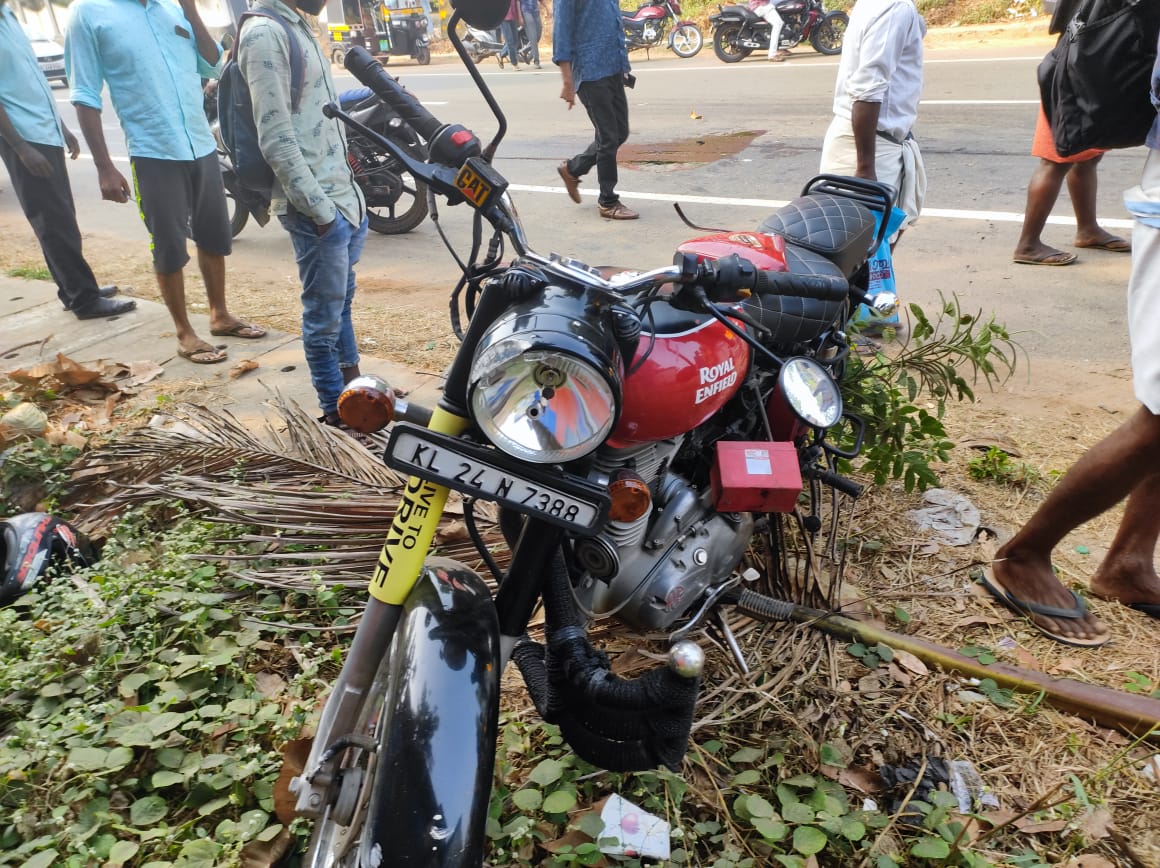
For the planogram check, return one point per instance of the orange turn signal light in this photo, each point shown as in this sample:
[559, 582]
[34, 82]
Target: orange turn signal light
[367, 404]
[630, 496]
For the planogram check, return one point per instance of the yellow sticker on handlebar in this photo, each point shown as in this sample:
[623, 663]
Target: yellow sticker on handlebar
[473, 187]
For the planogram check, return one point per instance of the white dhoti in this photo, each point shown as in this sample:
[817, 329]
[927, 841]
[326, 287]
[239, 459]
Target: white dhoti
[1144, 285]
[898, 164]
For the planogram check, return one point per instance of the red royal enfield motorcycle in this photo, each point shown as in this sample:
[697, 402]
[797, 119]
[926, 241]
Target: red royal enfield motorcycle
[644, 433]
[648, 27]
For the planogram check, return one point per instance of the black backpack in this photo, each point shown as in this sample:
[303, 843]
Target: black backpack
[236, 110]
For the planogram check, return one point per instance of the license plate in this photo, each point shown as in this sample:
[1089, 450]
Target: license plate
[54, 66]
[473, 187]
[572, 503]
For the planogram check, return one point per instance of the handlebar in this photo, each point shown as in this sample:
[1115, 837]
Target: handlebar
[370, 72]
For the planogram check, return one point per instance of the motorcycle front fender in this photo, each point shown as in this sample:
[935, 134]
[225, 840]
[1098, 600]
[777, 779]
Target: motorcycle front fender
[436, 752]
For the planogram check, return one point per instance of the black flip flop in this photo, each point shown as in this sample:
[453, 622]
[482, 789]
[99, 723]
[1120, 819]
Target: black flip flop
[1027, 608]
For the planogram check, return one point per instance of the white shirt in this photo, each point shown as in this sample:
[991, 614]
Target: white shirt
[882, 62]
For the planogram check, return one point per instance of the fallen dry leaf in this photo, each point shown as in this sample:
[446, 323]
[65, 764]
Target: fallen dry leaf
[141, 373]
[243, 367]
[977, 621]
[1096, 824]
[1031, 827]
[455, 531]
[269, 684]
[863, 780]
[910, 663]
[1026, 659]
[264, 854]
[1089, 862]
[294, 755]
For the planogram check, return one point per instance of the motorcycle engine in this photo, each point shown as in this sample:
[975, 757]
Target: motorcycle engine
[652, 571]
[650, 34]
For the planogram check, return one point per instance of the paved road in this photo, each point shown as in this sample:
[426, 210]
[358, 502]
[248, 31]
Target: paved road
[975, 126]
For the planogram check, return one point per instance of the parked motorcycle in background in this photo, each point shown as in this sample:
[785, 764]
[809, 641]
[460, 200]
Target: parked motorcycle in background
[738, 31]
[649, 27]
[663, 448]
[396, 200]
[482, 44]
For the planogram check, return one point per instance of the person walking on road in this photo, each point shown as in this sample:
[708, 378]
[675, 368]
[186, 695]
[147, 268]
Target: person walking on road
[876, 101]
[152, 55]
[534, 27]
[315, 195]
[33, 139]
[588, 46]
[510, 27]
[1125, 464]
[1042, 191]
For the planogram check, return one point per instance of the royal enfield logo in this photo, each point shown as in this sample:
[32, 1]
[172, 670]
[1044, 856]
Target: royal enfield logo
[716, 379]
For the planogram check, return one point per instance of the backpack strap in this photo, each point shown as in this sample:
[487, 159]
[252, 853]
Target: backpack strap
[297, 62]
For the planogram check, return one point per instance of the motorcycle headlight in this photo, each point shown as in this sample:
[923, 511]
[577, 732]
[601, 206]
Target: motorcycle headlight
[811, 392]
[544, 388]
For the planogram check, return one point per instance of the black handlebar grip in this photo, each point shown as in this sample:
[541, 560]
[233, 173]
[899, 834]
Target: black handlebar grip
[822, 287]
[370, 72]
[841, 483]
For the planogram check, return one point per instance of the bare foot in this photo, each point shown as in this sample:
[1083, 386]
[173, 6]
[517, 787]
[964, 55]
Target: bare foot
[1104, 240]
[1041, 254]
[1028, 579]
[1128, 581]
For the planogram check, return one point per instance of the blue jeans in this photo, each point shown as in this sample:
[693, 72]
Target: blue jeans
[326, 268]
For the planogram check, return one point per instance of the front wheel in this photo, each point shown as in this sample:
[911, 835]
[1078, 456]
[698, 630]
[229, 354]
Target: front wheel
[396, 199]
[423, 54]
[725, 44]
[338, 57]
[827, 37]
[238, 213]
[687, 40]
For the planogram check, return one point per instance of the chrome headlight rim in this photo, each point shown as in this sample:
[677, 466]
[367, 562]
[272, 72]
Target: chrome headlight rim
[811, 392]
[542, 399]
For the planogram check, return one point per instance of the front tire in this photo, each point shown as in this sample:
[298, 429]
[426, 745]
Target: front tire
[406, 205]
[423, 54]
[827, 37]
[687, 40]
[725, 44]
[239, 215]
[338, 57]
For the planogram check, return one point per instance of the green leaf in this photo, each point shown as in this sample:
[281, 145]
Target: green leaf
[166, 722]
[166, 778]
[747, 777]
[527, 799]
[831, 756]
[87, 759]
[547, 772]
[759, 806]
[270, 832]
[746, 755]
[118, 758]
[213, 805]
[797, 813]
[770, 830]
[251, 823]
[123, 851]
[807, 840]
[170, 757]
[801, 781]
[147, 811]
[901, 615]
[852, 830]
[41, 860]
[930, 848]
[591, 825]
[560, 802]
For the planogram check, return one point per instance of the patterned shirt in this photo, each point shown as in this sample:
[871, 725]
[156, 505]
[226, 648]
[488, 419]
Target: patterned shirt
[24, 91]
[306, 150]
[590, 35]
[147, 56]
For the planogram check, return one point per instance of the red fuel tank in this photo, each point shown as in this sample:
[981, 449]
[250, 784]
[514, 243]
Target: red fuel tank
[689, 374]
[764, 251]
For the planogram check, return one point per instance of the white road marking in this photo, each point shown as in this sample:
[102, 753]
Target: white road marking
[773, 204]
[979, 102]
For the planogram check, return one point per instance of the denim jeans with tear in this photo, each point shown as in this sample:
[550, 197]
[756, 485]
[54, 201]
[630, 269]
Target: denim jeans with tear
[326, 268]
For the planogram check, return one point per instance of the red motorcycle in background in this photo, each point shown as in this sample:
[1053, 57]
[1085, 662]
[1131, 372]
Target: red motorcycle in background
[648, 27]
[738, 31]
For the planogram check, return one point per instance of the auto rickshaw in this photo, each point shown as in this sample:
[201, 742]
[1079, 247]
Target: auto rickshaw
[383, 31]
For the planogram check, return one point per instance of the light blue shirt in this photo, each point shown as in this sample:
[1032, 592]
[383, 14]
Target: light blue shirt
[24, 91]
[148, 57]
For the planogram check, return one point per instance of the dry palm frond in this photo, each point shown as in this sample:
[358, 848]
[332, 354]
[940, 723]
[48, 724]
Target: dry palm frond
[310, 502]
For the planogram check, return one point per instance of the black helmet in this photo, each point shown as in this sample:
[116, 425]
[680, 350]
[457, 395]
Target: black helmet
[32, 542]
[481, 14]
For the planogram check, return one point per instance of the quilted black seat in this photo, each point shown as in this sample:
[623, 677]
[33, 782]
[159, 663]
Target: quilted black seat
[836, 227]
